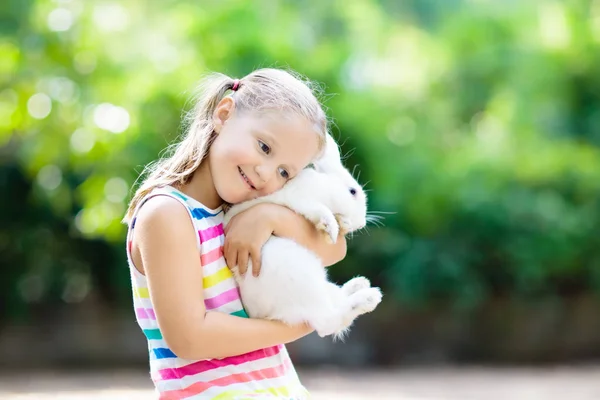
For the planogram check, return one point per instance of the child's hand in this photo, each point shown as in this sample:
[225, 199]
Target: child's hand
[245, 235]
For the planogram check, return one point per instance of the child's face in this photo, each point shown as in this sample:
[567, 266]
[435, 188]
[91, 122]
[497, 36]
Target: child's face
[253, 155]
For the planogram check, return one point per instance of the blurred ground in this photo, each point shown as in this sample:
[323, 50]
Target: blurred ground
[577, 383]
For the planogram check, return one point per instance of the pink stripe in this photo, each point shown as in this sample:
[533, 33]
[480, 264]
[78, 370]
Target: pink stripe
[223, 298]
[211, 256]
[145, 313]
[209, 233]
[244, 377]
[207, 365]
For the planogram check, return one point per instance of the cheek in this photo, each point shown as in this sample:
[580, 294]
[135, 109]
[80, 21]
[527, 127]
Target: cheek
[217, 153]
[228, 151]
[239, 155]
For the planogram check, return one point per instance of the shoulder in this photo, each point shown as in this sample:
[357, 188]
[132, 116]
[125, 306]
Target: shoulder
[161, 207]
[164, 216]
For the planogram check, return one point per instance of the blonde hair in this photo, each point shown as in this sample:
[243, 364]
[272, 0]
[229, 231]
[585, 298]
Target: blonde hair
[263, 90]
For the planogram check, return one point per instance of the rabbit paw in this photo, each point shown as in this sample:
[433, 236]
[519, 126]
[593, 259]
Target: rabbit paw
[344, 223]
[323, 333]
[365, 300]
[355, 284]
[329, 225]
[330, 328]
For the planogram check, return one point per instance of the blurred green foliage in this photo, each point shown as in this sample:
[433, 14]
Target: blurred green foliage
[476, 123]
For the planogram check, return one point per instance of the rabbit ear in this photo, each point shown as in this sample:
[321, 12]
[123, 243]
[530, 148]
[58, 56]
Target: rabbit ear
[332, 150]
[331, 157]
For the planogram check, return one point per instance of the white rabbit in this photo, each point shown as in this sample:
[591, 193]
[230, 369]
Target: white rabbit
[330, 163]
[292, 285]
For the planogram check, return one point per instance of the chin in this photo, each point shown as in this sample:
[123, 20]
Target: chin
[233, 190]
[229, 193]
[233, 197]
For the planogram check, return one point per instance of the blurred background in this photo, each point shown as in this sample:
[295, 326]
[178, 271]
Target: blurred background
[475, 123]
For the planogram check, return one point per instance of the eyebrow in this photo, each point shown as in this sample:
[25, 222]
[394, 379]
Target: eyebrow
[268, 134]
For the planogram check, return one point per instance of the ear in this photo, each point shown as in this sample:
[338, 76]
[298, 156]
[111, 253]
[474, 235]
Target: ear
[331, 158]
[223, 112]
[332, 150]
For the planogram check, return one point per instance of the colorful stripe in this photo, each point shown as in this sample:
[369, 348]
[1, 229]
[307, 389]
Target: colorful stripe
[216, 278]
[257, 374]
[199, 387]
[200, 213]
[145, 313]
[210, 233]
[241, 313]
[222, 299]
[180, 195]
[207, 365]
[153, 334]
[163, 352]
[141, 293]
[211, 257]
[197, 212]
[237, 394]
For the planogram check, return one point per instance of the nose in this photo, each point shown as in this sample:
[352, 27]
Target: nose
[264, 173]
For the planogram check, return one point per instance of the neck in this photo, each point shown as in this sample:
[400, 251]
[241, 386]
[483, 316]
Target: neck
[201, 187]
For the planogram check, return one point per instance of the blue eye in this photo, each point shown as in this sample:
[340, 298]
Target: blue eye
[353, 191]
[284, 174]
[264, 147]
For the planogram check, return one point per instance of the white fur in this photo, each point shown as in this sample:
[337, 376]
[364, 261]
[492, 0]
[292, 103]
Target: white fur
[292, 285]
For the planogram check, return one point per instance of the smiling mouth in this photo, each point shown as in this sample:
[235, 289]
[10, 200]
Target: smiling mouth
[248, 181]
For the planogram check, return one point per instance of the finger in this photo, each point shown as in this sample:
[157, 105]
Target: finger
[228, 227]
[231, 257]
[255, 262]
[242, 258]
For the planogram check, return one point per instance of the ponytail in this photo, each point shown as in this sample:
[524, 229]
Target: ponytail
[183, 158]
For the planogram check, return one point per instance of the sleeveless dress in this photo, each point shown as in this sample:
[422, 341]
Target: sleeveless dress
[262, 374]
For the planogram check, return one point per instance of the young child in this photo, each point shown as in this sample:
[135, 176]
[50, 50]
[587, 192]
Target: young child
[245, 139]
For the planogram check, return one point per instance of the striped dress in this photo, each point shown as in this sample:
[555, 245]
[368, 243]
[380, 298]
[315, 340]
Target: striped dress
[262, 374]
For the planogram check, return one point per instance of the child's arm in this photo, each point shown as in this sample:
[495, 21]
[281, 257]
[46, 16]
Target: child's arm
[248, 231]
[165, 243]
[288, 224]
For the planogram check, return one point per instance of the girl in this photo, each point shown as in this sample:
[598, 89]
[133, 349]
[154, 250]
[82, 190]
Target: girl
[238, 146]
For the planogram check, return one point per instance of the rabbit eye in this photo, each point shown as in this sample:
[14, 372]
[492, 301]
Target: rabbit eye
[352, 191]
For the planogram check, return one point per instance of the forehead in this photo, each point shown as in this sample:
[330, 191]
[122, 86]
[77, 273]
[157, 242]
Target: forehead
[294, 139]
